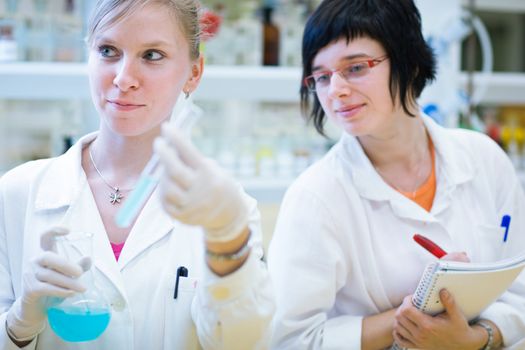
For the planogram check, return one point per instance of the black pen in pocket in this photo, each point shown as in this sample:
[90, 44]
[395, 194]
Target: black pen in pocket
[181, 272]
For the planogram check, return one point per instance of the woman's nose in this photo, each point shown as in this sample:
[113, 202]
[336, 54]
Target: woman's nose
[127, 76]
[338, 87]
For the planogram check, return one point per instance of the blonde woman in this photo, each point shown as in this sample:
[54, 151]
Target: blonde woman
[198, 230]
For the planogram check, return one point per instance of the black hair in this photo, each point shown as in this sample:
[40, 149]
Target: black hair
[395, 24]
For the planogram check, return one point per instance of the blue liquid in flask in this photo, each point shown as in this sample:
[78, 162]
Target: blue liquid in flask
[75, 324]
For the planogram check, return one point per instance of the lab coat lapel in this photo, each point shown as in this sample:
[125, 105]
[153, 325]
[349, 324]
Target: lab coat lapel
[152, 225]
[371, 186]
[61, 182]
[453, 165]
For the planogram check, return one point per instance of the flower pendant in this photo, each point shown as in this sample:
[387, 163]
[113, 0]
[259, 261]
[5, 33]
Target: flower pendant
[116, 196]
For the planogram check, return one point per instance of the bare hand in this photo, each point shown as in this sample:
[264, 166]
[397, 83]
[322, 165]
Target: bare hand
[448, 330]
[456, 256]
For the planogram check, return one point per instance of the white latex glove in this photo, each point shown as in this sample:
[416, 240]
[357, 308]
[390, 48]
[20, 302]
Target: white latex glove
[47, 275]
[196, 191]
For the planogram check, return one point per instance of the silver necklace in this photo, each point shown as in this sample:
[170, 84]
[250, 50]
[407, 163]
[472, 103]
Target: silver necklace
[116, 195]
[412, 194]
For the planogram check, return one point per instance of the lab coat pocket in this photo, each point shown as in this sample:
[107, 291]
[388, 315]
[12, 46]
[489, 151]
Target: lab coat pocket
[180, 331]
[489, 242]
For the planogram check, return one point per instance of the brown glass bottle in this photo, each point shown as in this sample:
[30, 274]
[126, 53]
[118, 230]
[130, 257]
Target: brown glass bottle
[270, 39]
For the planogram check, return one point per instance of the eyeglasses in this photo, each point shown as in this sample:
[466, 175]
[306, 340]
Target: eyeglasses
[319, 81]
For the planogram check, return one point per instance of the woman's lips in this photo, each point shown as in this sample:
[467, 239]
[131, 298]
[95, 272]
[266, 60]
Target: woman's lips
[348, 111]
[124, 105]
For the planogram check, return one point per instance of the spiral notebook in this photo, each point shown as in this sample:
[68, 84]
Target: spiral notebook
[473, 285]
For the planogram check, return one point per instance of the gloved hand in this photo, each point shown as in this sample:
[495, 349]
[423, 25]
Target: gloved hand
[47, 275]
[196, 191]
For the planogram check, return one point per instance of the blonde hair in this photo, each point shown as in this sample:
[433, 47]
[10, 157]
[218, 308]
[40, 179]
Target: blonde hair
[186, 12]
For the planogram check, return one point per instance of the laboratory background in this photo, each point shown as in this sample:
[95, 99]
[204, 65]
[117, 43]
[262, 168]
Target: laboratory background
[247, 106]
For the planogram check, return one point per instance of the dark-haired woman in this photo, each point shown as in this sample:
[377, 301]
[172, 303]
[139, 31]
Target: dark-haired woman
[342, 258]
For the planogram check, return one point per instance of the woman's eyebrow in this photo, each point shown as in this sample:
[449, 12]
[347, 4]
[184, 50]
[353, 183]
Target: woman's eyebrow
[155, 43]
[346, 58]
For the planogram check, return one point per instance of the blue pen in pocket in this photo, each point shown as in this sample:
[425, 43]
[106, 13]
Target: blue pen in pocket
[505, 222]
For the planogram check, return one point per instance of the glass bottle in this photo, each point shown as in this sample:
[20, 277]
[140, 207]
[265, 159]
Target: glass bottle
[270, 39]
[83, 316]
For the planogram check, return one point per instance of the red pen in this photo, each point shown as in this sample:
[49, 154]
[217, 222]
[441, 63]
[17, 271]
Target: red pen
[432, 247]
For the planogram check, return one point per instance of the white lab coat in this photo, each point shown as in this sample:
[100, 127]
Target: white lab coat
[343, 249]
[233, 312]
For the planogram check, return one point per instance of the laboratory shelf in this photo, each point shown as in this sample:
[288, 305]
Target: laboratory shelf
[501, 88]
[48, 81]
[498, 6]
[43, 81]
[250, 83]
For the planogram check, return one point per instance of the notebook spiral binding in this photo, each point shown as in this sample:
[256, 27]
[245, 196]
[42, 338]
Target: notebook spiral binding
[420, 296]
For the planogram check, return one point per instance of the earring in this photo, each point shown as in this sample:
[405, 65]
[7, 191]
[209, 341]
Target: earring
[187, 94]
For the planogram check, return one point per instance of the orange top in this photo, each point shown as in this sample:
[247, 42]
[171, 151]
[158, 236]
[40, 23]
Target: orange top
[424, 195]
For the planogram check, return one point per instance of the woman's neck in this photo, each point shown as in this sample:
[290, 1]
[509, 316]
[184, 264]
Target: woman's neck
[406, 145]
[120, 160]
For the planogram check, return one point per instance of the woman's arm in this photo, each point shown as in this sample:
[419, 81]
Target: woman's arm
[220, 261]
[377, 331]
[310, 265]
[234, 311]
[234, 305]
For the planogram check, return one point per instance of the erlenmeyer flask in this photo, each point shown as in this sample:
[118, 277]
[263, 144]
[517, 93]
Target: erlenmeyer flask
[83, 316]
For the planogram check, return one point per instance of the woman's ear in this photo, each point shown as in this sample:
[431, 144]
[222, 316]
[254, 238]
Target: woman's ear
[197, 67]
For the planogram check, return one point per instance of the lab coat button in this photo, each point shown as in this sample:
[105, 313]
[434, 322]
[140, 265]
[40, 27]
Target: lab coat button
[118, 304]
[220, 293]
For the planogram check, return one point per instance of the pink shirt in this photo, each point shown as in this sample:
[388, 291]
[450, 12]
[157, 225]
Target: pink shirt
[117, 248]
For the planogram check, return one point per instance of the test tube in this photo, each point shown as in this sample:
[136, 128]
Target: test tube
[148, 180]
[187, 114]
